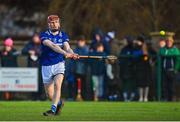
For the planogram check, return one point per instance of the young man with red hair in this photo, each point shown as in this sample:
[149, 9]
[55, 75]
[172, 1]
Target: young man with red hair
[55, 48]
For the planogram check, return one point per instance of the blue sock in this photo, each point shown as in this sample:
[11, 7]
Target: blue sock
[53, 108]
[60, 103]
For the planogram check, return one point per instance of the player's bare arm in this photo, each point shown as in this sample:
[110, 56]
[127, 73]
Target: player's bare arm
[57, 49]
[68, 49]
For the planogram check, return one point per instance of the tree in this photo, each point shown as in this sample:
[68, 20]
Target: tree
[124, 16]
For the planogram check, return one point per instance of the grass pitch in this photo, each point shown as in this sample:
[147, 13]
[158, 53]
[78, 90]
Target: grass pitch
[28, 110]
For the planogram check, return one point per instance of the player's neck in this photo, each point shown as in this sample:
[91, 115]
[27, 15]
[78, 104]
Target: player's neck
[54, 32]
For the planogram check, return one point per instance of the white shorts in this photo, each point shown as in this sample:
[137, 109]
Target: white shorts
[48, 72]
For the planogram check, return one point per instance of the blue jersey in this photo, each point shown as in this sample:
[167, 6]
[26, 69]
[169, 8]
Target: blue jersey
[48, 56]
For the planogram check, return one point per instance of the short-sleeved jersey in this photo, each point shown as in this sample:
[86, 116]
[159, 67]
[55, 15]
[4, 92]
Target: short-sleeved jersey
[50, 57]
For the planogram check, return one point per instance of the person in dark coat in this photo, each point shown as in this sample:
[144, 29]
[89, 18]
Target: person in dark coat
[142, 68]
[98, 37]
[98, 70]
[33, 50]
[127, 71]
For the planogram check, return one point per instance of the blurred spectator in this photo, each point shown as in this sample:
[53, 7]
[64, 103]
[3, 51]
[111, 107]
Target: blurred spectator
[98, 72]
[33, 51]
[170, 65]
[112, 79]
[9, 59]
[81, 65]
[112, 42]
[109, 36]
[127, 71]
[152, 55]
[162, 43]
[142, 68]
[98, 37]
[9, 54]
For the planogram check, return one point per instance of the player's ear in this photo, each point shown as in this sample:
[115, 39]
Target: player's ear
[48, 24]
